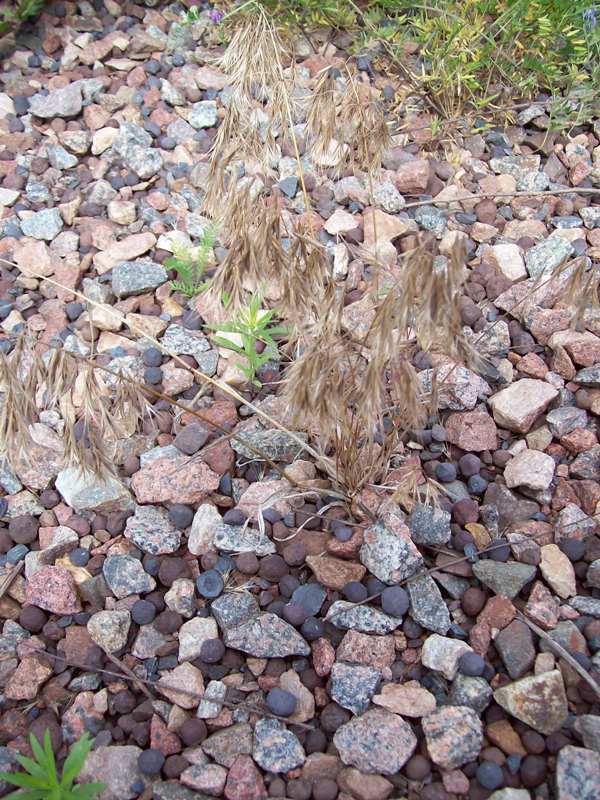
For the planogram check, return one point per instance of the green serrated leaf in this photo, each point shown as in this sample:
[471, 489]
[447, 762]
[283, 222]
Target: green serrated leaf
[50, 758]
[24, 780]
[75, 760]
[32, 767]
[34, 794]
[39, 754]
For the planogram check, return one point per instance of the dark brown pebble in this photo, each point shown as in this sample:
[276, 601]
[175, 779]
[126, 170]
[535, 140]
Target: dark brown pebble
[533, 771]
[533, 742]
[247, 563]
[325, 789]
[168, 621]
[273, 567]
[192, 732]
[171, 569]
[23, 529]
[32, 619]
[333, 716]
[174, 766]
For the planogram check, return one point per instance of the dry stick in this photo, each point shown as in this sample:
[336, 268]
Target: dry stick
[560, 651]
[9, 578]
[162, 686]
[484, 195]
[130, 674]
[215, 382]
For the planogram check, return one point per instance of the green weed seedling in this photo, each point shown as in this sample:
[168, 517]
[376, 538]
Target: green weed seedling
[40, 781]
[252, 324]
[190, 269]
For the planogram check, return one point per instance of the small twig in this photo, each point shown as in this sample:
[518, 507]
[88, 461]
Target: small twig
[9, 578]
[484, 195]
[560, 651]
[130, 674]
[168, 687]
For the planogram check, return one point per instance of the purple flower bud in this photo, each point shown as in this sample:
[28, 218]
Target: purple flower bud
[216, 16]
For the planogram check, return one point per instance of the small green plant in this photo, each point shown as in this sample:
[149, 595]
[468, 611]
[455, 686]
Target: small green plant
[252, 325]
[190, 269]
[41, 780]
[12, 18]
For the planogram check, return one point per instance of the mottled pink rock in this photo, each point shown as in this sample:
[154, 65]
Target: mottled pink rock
[28, 678]
[472, 431]
[356, 784]
[175, 480]
[244, 781]
[541, 607]
[455, 782]
[161, 738]
[530, 468]
[413, 176]
[53, 589]
[361, 648]
[558, 571]
[323, 656]
[377, 742]
[382, 227]
[577, 773]
[454, 736]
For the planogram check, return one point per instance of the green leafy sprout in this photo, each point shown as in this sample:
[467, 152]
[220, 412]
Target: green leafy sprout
[40, 781]
[253, 325]
[189, 267]
[11, 19]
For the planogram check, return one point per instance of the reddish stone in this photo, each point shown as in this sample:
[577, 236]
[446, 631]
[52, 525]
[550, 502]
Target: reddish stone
[333, 572]
[219, 456]
[347, 549]
[244, 781]
[53, 589]
[161, 738]
[498, 612]
[531, 364]
[480, 637]
[541, 607]
[588, 493]
[323, 656]
[413, 176]
[579, 440]
[360, 648]
[563, 495]
[76, 644]
[28, 678]
[175, 480]
[473, 431]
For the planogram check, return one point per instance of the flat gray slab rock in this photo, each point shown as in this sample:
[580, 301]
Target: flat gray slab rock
[137, 277]
[364, 619]
[427, 606]
[275, 748]
[84, 491]
[267, 636]
[506, 579]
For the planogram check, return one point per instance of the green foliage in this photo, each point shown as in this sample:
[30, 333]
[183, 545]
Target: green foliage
[11, 18]
[190, 268]
[41, 780]
[468, 50]
[252, 325]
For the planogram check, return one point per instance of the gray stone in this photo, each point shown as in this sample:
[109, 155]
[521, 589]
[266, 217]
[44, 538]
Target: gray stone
[454, 736]
[109, 629]
[203, 114]
[388, 555]
[364, 619]
[427, 605]
[234, 608]
[589, 376]
[516, 648]
[170, 94]
[588, 728]
[565, 419]
[387, 197]
[532, 181]
[441, 654]
[476, 693]
[226, 745]
[567, 635]
[275, 748]
[8, 763]
[66, 102]
[148, 642]
[275, 444]
[506, 579]
[378, 742]
[151, 530]
[212, 702]
[353, 686]
[125, 575]
[429, 525]
[517, 166]
[577, 774]
[174, 790]
[237, 539]
[45, 224]
[144, 162]
[311, 597]
[510, 794]
[136, 277]
[117, 768]
[589, 606]
[266, 636]
[458, 387]
[509, 506]
[60, 158]
[8, 479]
[590, 216]
[84, 491]
[452, 584]
[545, 257]
[587, 465]
[181, 341]
[431, 218]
